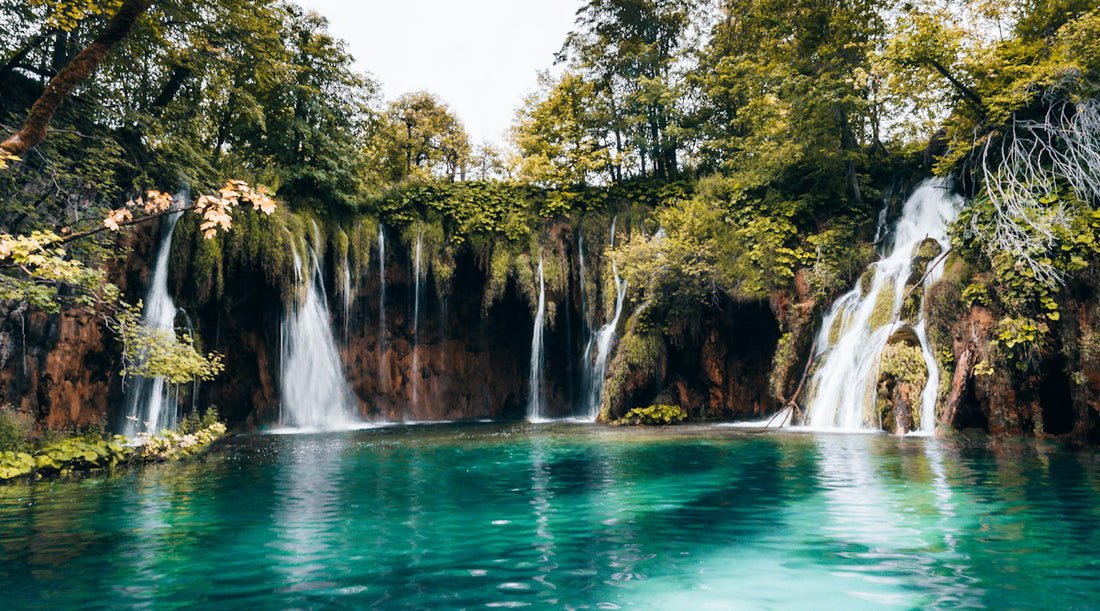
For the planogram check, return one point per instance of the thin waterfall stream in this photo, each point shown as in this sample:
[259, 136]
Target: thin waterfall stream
[534, 378]
[383, 379]
[858, 327]
[149, 403]
[597, 353]
[414, 374]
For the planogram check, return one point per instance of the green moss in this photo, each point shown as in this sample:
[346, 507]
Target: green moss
[904, 362]
[15, 429]
[207, 267]
[901, 364]
[361, 241]
[867, 280]
[640, 357]
[924, 253]
[883, 312]
[914, 297]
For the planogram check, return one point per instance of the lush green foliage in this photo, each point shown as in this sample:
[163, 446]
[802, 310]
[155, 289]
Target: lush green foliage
[64, 457]
[95, 451]
[654, 415]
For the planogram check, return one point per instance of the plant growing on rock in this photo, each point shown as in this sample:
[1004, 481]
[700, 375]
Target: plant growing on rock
[654, 415]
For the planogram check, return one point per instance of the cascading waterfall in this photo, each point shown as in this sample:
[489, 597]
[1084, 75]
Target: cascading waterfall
[855, 330]
[383, 379]
[534, 378]
[598, 351]
[314, 392]
[149, 403]
[415, 373]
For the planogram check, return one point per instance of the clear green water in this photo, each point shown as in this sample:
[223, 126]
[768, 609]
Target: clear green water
[568, 516]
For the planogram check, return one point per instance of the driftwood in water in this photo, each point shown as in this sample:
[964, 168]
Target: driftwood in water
[791, 405]
[959, 383]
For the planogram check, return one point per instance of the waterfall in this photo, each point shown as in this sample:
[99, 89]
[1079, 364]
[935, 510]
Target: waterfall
[534, 378]
[383, 379]
[414, 374]
[314, 392]
[598, 351]
[583, 274]
[855, 330]
[149, 403]
[347, 299]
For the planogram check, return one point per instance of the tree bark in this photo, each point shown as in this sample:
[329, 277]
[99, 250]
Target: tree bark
[959, 384]
[80, 68]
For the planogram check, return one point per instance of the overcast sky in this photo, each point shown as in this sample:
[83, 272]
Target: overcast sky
[480, 56]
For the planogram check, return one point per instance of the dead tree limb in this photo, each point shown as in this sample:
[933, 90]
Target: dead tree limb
[920, 282]
[791, 405]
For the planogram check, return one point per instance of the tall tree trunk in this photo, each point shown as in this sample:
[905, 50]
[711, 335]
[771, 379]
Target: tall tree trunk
[849, 146]
[80, 68]
[60, 51]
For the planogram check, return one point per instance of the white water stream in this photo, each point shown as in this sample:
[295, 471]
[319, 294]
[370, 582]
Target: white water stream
[150, 404]
[314, 394]
[414, 374]
[534, 378]
[383, 379]
[598, 351]
[845, 381]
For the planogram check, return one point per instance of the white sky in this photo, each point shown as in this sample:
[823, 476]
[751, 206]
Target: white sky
[480, 56]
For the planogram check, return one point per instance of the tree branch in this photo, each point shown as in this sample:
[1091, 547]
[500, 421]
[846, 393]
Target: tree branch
[80, 68]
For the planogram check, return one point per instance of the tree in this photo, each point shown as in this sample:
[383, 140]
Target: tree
[422, 138]
[76, 71]
[558, 134]
[787, 98]
[630, 52]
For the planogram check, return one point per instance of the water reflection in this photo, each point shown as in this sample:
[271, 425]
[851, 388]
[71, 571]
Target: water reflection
[567, 516]
[307, 504]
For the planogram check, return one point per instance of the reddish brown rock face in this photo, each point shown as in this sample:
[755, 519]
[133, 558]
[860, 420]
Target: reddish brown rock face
[64, 368]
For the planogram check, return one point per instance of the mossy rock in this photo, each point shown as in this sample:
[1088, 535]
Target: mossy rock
[906, 335]
[902, 360]
[883, 312]
[923, 254]
[901, 380]
[911, 304]
[867, 279]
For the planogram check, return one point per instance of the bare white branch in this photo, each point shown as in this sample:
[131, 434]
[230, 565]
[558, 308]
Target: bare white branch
[1022, 171]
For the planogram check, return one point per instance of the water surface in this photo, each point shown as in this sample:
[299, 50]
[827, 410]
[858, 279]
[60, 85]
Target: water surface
[566, 515]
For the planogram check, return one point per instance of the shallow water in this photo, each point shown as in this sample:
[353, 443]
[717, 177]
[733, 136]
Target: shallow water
[566, 515]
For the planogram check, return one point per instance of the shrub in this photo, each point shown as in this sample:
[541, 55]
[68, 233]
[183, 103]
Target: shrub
[15, 429]
[654, 415]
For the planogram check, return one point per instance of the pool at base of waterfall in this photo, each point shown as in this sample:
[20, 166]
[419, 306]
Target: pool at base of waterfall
[565, 515]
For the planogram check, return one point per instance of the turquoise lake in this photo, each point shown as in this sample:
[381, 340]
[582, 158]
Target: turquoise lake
[566, 516]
